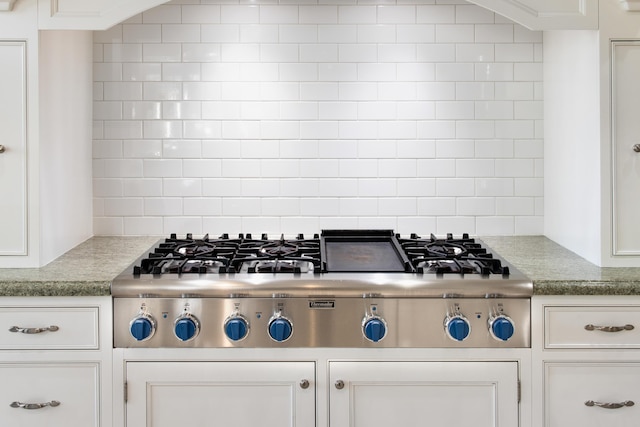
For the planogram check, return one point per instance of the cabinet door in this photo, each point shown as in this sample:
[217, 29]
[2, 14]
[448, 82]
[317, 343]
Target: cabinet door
[592, 394]
[547, 14]
[625, 98]
[13, 170]
[203, 394]
[60, 395]
[88, 14]
[437, 394]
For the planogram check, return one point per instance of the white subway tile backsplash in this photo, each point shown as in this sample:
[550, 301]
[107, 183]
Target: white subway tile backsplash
[182, 225]
[498, 187]
[142, 148]
[239, 14]
[162, 206]
[130, 52]
[138, 33]
[164, 14]
[142, 110]
[200, 13]
[494, 72]
[162, 91]
[432, 14]
[494, 33]
[446, 33]
[143, 187]
[162, 168]
[202, 206]
[316, 14]
[495, 225]
[291, 116]
[220, 33]
[175, 187]
[141, 226]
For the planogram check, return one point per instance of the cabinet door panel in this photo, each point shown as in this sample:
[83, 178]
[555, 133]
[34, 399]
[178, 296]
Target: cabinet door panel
[202, 394]
[88, 14]
[438, 394]
[77, 328]
[569, 385]
[625, 93]
[74, 386]
[13, 170]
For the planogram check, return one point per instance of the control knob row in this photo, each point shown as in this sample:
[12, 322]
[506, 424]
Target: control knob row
[187, 327]
[458, 328]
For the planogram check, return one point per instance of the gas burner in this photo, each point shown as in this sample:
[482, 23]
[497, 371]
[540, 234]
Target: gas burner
[278, 256]
[450, 255]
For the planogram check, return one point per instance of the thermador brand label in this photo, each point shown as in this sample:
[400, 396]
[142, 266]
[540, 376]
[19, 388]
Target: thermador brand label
[322, 304]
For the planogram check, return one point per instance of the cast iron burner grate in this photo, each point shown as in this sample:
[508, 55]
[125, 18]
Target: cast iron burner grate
[451, 255]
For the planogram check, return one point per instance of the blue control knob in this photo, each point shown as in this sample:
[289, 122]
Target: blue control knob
[280, 329]
[186, 327]
[142, 327]
[501, 328]
[457, 327]
[374, 329]
[236, 328]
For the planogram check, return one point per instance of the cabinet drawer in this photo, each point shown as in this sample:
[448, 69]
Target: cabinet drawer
[591, 327]
[576, 393]
[73, 385]
[77, 328]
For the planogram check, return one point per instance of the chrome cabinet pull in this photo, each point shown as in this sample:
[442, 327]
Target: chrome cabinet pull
[53, 403]
[609, 405]
[609, 328]
[636, 148]
[304, 384]
[339, 384]
[51, 328]
[3, 149]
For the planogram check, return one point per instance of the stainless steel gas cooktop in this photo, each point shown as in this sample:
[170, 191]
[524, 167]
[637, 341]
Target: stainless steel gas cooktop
[341, 288]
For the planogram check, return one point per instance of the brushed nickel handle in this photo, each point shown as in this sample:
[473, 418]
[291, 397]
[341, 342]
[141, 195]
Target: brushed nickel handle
[51, 328]
[304, 384]
[53, 403]
[610, 405]
[636, 148]
[609, 328]
[3, 149]
[339, 384]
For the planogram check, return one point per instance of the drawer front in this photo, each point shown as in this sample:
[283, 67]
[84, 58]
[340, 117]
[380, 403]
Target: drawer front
[73, 385]
[591, 327]
[592, 394]
[49, 328]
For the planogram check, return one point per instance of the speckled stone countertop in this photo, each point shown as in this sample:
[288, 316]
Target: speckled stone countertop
[88, 269]
[558, 271]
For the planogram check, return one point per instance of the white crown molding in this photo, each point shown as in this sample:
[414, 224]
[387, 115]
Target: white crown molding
[6, 5]
[630, 5]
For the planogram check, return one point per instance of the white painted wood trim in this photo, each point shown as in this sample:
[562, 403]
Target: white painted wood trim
[6, 5]
[630, 5]
[567, 15]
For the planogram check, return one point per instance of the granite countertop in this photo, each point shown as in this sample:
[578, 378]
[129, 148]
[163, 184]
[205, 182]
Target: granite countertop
[558, 271]
[87, 270]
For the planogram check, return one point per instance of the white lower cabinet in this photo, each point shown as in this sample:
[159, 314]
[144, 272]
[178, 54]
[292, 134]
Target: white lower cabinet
[56, 362]
[586, 361]
[437, 394]
[592, 394]
[289, 393]
[241, 394]
[51, 394]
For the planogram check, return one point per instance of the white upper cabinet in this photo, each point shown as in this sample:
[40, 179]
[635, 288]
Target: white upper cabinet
[88, 14]
[547, 14]
[13, 139]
